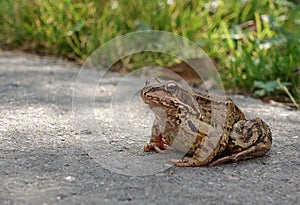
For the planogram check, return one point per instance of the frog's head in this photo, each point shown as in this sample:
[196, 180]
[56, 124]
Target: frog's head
[169, 96]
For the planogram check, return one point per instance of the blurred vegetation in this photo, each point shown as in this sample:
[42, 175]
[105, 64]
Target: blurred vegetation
[256, 41]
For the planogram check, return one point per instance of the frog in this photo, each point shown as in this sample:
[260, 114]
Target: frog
[209, 129]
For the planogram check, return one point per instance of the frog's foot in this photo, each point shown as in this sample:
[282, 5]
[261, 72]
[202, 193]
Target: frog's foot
[257, 150]
[189, 162]
[152, 146]
[157, 143]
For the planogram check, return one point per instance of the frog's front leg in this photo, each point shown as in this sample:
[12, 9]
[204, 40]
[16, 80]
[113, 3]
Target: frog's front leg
[157, 141]
[248, 139]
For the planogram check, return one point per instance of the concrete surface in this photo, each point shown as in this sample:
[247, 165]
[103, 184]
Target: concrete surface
[42, 160]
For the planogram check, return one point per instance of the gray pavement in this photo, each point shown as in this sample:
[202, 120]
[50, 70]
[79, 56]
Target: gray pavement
[44, 159]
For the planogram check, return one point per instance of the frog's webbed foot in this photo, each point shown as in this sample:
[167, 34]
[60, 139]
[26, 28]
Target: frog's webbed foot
[157, 143]
[256, 150]
[189, 162]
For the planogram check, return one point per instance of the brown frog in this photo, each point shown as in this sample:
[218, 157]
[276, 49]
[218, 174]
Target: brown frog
[209, 129]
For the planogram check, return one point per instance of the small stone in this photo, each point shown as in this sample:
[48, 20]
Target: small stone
[70, 178]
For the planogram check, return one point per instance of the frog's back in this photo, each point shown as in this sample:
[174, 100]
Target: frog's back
[215, 108]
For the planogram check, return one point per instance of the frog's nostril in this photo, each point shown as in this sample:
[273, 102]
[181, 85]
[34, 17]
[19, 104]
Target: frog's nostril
[144, 94]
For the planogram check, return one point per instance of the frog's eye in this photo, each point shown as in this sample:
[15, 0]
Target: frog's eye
[171, 87]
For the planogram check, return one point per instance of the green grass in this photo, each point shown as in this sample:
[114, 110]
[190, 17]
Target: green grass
[263, 58]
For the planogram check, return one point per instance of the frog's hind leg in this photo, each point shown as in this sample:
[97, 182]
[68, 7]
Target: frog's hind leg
[248, 139]
[257, 150]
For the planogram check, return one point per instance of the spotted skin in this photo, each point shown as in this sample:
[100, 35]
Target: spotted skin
[210, 130]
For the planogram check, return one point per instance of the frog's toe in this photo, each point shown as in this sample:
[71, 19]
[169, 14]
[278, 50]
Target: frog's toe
[152, 146]
[222, 161]
[188, 162]
[185, 162]
[157, 149]
[180, 163]
[148, 148]
[175, 160]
